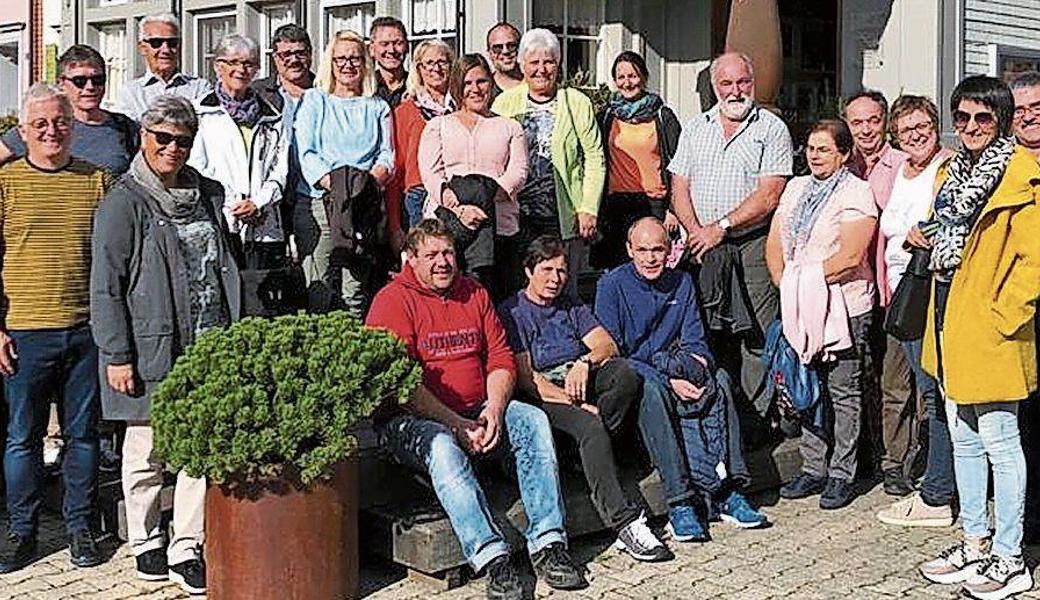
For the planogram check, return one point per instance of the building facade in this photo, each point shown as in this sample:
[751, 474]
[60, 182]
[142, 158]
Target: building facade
[29, 40]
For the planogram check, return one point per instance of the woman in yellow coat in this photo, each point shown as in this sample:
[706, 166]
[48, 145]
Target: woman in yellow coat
[980, 342]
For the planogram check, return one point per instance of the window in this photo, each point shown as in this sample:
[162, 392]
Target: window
[112, 45]
[338, 15]
[577, 23]
[10, 55]
[432, 19]
[272, 17]
[1006, 62]
[210, 28]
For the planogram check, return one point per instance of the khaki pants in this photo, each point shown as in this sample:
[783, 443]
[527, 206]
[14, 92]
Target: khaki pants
[901, 410]
[142, 482]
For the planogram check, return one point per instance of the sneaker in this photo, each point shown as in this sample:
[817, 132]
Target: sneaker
[18, 553]
[895, 484]
[555, 566]
[803, 486]
[838, 493]
[913, 512]
[151, 565]
[737, 511]
[190, 575]
[503, 582]
[684, 525]
[83, 550]
[956, 563]
[641, 544]
[999, 577]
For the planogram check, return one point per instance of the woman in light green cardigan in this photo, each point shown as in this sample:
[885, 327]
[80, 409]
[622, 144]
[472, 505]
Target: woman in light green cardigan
[566, 165]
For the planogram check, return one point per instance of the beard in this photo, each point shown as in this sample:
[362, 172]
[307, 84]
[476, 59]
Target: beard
[736, 109]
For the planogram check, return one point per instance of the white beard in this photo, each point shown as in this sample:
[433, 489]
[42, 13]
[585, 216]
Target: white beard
[736, 110]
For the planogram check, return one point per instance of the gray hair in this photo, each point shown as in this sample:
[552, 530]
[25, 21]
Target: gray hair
[233, 43]
[542, 39]
[1024, 80]
[172, 110]
[713, 68]
[168, 18]
[39, 92]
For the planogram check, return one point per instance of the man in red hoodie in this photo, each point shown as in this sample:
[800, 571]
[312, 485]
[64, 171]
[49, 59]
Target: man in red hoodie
[463, 410]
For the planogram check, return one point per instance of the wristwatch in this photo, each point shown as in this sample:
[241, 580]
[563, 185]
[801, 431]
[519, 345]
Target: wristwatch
[724, 223]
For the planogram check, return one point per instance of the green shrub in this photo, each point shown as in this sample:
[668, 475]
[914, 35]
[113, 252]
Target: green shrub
[7, 122]
[599, 94]
[264, 398]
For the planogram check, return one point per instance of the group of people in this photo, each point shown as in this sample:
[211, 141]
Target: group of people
[458, 206]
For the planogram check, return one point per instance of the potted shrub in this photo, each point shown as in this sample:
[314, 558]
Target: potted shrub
[264, 411]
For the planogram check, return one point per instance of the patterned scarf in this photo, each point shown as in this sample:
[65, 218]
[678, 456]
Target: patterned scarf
[635, 111]
[961, 198]
[430, 108]
[244, 110]
[814, 197]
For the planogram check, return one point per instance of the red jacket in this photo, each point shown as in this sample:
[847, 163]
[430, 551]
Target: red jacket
[457, 337]
[408, 127]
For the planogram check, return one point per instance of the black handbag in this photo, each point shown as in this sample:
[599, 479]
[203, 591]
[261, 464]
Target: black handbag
[908, 310]
[271, 285]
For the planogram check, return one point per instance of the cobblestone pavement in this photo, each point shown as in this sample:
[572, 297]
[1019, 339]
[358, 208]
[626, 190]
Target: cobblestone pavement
[808, 554]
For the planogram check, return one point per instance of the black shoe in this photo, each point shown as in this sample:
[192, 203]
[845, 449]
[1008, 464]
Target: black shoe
[151, 565]
[503, 582]
[17, 553]
[555, 566]
[895, 484]
[837, 494]
[83, 550]
[803, 486]
[190, 575]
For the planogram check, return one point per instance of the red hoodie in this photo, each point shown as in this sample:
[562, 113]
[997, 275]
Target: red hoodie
[457, 337]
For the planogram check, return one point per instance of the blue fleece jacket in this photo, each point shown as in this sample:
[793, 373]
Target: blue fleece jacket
[647, 317]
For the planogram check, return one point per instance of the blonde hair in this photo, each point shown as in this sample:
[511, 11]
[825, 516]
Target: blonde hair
[415, 76]
[325, 79]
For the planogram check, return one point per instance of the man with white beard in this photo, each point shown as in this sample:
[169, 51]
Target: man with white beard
[728, 172]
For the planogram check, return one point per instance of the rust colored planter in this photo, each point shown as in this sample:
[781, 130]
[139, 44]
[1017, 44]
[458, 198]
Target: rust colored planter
[281, 542]
[754, 29]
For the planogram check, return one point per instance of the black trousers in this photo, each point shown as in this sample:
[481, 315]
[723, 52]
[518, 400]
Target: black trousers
[615, 389]
[617, 212]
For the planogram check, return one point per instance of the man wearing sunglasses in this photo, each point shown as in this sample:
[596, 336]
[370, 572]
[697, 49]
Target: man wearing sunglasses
[108, 140]
[503, 42]
[159, 42]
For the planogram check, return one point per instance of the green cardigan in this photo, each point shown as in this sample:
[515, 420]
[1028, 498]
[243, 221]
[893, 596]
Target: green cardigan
[579, 167]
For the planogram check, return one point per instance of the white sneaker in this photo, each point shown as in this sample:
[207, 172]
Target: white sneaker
[956, 563]
[637, 540]
[999, 577]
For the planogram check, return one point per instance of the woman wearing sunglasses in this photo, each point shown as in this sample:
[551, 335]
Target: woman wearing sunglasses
[980, 342]
[241, 143]
[109, 140]
[163, 217]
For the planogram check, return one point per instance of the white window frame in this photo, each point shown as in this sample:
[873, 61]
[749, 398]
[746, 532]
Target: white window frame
[998, 52]
[564, 37]
[14, 35]
[441, 33]
[328, 4]
[200, 54]
[266, 31]
[112, 89]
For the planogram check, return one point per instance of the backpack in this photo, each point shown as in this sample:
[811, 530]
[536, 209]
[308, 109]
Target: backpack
[797, 386]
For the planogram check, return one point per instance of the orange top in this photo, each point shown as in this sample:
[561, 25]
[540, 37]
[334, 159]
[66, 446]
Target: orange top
[635, 159]
[408, 127]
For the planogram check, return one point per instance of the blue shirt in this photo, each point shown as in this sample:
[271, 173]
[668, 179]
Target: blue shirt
[110, 145]
[551, 334]
[332, 132]
[646, 317]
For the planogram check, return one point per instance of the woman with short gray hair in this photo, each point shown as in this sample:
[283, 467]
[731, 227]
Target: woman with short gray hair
[163, 217]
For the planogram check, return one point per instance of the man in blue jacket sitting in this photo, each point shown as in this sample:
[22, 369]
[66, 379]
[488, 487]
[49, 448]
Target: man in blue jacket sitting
[653, 314]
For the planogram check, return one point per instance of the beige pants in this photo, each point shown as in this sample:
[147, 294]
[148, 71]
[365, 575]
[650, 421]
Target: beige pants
[142, 483]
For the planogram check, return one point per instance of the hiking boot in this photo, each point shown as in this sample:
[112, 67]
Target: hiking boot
[151, 565]
[503, 582]
[737, 511]
[999, 577]
[640, 543]
[895, 484]
[18, 553]
[914, 512]
[190, 575]
[556, 568]
[83, 550]
[956, 563]
[684, 525]
[838, 493]
[803, 486]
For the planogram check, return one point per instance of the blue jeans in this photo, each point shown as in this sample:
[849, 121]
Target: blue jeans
[656, 423]
[61, 363]
[430, 447]
[937, 486]
[413, 204]
[713, 442]
[984, 435]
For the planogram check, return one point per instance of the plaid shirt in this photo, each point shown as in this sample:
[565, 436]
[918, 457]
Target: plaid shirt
[724, 172]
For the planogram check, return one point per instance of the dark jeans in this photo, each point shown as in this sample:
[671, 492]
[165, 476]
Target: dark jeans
[662, 438]
[714, 450]
[60, 363]
[413, 205]
[613, 388]
[937, 486]
[617, 212]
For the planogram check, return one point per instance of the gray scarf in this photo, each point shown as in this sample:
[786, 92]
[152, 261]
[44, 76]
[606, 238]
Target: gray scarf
[814, 197]
[178, 203]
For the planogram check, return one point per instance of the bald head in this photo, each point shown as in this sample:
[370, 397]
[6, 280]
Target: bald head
[648, 246]
[648, 226]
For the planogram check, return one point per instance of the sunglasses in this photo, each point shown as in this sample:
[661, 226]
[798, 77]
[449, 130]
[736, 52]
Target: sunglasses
[982, 119]
[503, 48]
[165, 139]
[80, 81]
[156, 43]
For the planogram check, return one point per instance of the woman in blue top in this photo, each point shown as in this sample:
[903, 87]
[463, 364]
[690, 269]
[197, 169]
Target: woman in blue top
[339, 123]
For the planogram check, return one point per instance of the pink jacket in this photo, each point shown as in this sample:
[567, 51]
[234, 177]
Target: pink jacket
[814, 316]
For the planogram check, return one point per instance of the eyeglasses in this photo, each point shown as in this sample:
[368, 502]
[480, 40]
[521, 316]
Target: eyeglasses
[504, 48]
[248, 65]
[1030, 109]
[982, 119]
[341, 61]
[41, 125]
[80, 81]
[435, 64]
[287, 54]
[923, 128]
[156, 43]
[163, 138]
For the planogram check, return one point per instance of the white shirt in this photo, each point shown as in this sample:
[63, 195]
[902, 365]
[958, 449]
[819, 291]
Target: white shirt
[909, 204]
[139, 93]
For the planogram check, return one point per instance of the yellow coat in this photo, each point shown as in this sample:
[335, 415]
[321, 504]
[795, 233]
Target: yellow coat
[988, 342]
